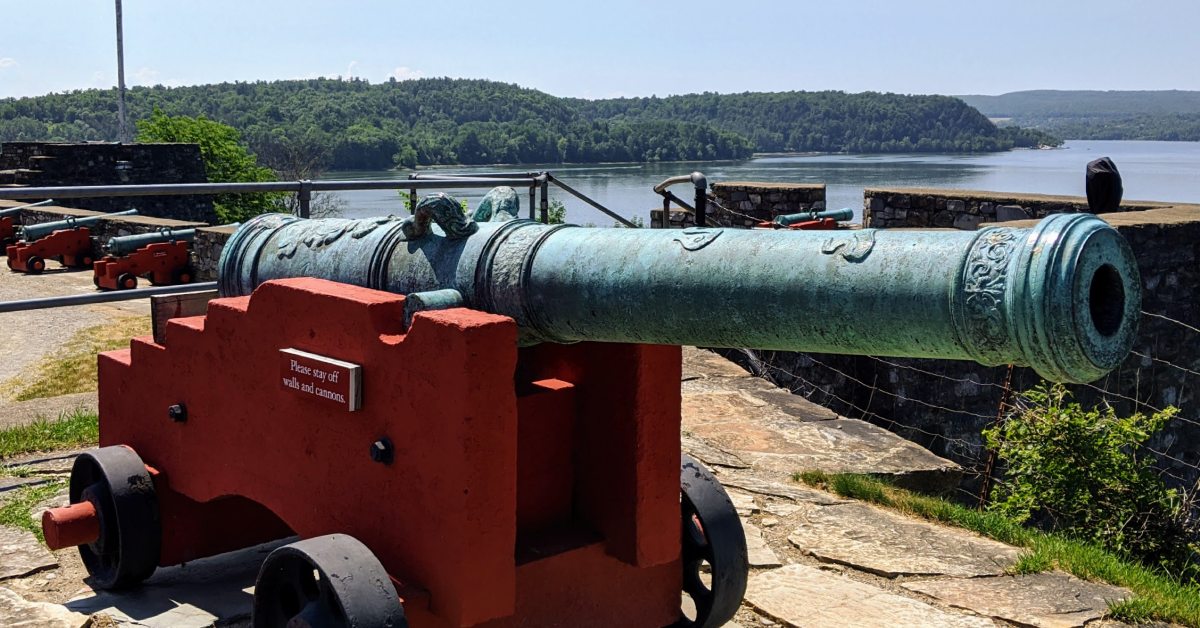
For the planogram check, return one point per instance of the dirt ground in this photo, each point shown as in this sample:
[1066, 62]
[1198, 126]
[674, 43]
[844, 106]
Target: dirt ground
[30, 336]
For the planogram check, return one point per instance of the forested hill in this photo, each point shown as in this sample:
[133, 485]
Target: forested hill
[1117, 115]
[1050, 102]
[828, 121]
[353, 124]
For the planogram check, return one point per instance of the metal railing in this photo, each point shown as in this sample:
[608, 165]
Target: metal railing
[700, 183]
[304, 188]
[537, 182]
[93, 298]
[541, 182]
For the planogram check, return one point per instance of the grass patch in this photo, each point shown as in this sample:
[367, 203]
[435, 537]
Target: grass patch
[1031, 562]
[17, 510]
[1158, 597]
[75, 429]
[15, 472]
[72, 369]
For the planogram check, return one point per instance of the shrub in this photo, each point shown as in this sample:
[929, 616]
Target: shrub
[1084, 473]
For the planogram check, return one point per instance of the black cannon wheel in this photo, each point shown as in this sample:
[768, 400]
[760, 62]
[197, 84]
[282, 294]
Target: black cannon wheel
[35, 264]
[183, 275]
[330, 581]
[712, 534]
[126, 281]
[115, 480]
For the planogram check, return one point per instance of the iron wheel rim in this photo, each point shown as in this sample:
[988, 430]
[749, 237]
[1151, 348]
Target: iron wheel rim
[115, 480]
[329, 581]
[712, 533]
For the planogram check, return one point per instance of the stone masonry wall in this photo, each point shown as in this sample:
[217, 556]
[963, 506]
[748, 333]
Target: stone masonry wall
[943, 404]
[745, 203]
[966, 209]
[40, 164]
[206, 250]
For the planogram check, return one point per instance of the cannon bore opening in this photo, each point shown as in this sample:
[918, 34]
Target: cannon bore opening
[1106, 300]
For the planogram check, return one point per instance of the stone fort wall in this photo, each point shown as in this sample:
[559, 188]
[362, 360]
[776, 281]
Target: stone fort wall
[944, 404]
[745, 203]
[45, 164]
[885, 208]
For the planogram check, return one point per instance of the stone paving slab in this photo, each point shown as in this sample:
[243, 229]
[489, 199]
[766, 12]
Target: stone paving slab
[22, 554]
[790, 491]
[47, 463]
[1045, 600]
[760, 554]
[890, 545]
[9, 485]
[746, 422]
[199, 594]
[742, 502]
[703, 364]
[710, 454]
[689, 609]
[800, 596]
[17, 612]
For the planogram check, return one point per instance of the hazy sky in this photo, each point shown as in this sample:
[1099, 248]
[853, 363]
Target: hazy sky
[605, 48]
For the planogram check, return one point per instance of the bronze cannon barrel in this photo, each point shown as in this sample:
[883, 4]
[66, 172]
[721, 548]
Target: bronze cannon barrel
[1062, 297]
[42, 229]
[844, 214]
[16, 211]
[124, 245]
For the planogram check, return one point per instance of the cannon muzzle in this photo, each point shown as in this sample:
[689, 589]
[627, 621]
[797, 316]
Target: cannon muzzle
[124, 245]
[1062, 297]
[30, 233]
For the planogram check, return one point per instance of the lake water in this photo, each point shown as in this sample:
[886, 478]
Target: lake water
[1157, 171]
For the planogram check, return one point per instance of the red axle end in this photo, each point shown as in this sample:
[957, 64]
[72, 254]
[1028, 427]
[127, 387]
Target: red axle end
[69, 526]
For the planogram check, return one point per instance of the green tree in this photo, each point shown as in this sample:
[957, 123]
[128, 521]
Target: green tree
[225, 160]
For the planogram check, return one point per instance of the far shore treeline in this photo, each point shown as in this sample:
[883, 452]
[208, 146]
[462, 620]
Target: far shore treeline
[352, 124]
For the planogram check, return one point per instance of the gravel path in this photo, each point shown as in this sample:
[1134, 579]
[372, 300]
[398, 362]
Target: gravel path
[28, 337]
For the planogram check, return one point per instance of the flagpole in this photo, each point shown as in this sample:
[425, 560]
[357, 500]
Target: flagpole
[122, 120]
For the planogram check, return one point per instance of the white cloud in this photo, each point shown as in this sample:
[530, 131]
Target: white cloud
[7, 62]
[145, 76]
[404, 73]
[350, 69]
[149, 76]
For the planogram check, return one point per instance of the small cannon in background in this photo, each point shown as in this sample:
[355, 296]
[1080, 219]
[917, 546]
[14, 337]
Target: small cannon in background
[68, 241]
[809, 221]
[8, 229]
[477, 424]
[162, 256]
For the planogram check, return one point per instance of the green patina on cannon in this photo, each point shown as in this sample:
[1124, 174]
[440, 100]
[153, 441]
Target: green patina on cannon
[843, 215]
[124, 245]
[30, 233]
[16, 211]
[1062, 297]
[500, 204]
